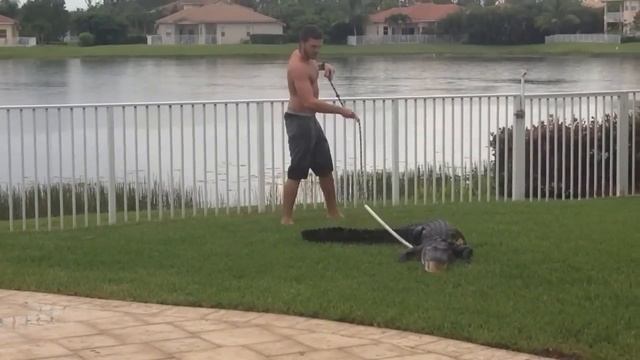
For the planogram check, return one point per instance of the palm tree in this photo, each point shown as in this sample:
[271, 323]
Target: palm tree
[397, 20]
[357, 13]
[355, 7]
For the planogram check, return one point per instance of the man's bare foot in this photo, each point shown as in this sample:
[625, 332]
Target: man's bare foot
[335, 216]
[286, 221]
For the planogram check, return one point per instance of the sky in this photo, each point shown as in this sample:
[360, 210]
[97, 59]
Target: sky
[75, 4]
[71, 4]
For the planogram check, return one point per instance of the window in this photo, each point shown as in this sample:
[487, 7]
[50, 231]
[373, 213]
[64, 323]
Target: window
[385, 30]
[408, 31]
[3, 33]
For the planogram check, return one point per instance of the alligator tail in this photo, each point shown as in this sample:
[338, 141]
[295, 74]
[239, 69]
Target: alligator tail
[354, 236]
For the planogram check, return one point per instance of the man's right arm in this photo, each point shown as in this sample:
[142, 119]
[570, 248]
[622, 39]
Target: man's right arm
[305, 92]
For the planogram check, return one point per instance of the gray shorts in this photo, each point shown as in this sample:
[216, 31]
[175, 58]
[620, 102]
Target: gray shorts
[308, 147]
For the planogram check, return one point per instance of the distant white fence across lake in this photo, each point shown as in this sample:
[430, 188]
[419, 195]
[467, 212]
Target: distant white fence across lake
[181, 40]
[397, 39]
[583, 38]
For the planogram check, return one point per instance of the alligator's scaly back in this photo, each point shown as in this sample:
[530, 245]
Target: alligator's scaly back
[435, 229]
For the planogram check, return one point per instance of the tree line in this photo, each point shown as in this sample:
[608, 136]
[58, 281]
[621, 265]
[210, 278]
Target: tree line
[480, 22]
[523, 22]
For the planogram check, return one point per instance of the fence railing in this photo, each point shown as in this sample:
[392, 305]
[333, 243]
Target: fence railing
[69, 165]
[583, 38]
[614, 17]
[182, 40]
[18, 41]
[26, 41]
[398, 39]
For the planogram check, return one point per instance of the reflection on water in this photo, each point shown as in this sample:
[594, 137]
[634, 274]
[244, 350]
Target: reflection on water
[169, 79]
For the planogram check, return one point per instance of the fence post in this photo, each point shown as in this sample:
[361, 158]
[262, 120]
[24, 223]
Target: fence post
[261, 157]
[10, 183]
[518, 164]
[622, 163]
[112, 166]
[395, 153]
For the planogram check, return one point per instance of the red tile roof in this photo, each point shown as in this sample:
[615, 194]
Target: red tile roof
[7, 20]
[418, 13]
[219, 13]
[592, 3]
[178, 5]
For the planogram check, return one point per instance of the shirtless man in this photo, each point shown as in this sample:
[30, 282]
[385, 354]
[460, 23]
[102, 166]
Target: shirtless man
[308, 146]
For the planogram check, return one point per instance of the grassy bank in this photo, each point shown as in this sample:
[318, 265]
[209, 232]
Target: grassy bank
[56, 52]
[556, 275]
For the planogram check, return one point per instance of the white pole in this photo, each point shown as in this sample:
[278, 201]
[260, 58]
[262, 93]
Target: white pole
[398, 237]
[395, 154]
[519, 140]
[260, 152]
[112, 165]
[622, 166]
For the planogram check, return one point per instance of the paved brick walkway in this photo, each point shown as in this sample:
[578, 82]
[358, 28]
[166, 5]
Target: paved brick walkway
[45, 326]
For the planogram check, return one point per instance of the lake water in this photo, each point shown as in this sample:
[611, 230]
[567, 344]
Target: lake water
[79, 81]
[169, 79]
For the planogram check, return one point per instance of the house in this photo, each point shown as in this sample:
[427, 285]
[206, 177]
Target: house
[421, 18]
[8, 31]
[217, 23]
[619, 14]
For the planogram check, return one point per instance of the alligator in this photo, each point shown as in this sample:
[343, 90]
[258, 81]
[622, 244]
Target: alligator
[435, 243]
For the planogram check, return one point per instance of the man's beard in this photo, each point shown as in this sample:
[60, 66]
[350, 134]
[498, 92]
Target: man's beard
[307, 54]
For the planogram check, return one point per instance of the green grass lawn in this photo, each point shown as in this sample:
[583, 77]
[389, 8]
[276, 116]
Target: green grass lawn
[557, 275]
[54, 52]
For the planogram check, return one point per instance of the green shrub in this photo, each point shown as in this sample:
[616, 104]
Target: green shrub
[267, 39]
[135, 39]
[630, 39]
[86, 39]
[547, 138]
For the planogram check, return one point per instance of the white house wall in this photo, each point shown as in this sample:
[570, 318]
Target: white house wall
[236, 33]
[224, 33]
[374, 29]
[11, 35]
[631, 7]
[168, 33]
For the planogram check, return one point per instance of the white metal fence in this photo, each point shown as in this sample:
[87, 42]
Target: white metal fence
[107, 163]
[397, 39]
[182, 40]
[583, 38]
[19, 41]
